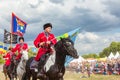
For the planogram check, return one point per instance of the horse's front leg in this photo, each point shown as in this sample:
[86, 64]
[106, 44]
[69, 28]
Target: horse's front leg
[5, 76]
[26, 76]
[10, 76]
[60, 78]
[45, 78]
[34, 78]
[5, 73]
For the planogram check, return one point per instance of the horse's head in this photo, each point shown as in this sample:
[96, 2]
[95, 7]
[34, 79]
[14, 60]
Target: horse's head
[24, 55]
[67, 46]
[13, 59]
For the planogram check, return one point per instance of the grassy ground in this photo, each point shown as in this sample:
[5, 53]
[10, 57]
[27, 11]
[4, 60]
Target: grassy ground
[77, 76]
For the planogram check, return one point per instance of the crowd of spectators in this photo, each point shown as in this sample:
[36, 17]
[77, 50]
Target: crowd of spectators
[108, 67]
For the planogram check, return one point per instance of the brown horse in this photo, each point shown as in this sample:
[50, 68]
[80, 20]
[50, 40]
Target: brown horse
[10, 70]
[5, 71]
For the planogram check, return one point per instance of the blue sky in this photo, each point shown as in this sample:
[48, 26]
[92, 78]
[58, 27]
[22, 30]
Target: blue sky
[99, 20]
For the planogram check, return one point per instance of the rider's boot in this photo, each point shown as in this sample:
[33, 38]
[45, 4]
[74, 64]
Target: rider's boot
[34, 65]
[40, 68]
[41, 73]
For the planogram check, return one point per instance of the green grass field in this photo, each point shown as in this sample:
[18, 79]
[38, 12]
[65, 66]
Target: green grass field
[77, 76]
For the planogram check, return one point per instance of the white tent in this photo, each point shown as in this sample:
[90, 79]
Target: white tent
[117, 55]
[80, 59]
[111, 56]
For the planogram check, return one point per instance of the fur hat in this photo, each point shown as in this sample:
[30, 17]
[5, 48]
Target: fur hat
[21, 38]
[47, 25]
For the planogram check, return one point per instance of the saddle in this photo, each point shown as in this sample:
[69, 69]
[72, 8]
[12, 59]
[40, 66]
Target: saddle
[43, 60]
[39, 64]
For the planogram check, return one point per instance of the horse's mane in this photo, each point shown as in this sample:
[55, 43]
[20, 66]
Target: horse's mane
[62, 40]
[13, 57]
[25, 55]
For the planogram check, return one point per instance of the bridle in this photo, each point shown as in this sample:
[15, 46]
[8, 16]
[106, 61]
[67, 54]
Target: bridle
[68, 51]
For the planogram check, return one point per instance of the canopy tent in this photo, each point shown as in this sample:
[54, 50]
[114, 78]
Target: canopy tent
[117, 55]
[80, 59]
[111, 56]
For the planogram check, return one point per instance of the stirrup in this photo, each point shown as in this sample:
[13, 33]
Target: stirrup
[36, 70]
[33, 68]
[40, 74]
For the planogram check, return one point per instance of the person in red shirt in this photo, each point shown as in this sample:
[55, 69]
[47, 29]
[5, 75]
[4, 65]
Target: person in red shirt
[8, 57]
[20, 47]
[45, 41]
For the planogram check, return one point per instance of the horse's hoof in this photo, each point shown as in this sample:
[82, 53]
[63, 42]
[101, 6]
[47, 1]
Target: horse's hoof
[44, 76]
[60, 74]
[40, 75]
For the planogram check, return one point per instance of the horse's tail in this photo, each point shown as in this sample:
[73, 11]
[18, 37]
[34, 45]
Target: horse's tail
[24, 76]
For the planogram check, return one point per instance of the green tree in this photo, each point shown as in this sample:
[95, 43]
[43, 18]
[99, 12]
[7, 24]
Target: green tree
[31, 53]
[91, 55]
[114, 47]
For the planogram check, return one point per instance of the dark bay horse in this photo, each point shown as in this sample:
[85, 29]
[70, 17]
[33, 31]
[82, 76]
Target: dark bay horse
[56, 71]
[10, 70]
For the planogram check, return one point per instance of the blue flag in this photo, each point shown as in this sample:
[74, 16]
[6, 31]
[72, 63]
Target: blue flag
[72, 34]
[18, 26]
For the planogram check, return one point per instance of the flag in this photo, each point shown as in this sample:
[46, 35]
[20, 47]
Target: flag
[1, 44]
[18, 26]
[72, 34]
[2, 49]
[8, 36]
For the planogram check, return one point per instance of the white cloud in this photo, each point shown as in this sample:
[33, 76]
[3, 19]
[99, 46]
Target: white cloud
[1, 32]
[90, 15]
[88, 42]
[88, 36]
[38, 12]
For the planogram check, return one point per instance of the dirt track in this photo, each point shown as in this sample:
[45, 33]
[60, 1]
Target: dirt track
[1, 73]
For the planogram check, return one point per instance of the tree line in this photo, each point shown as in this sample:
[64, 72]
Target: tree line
[113, 47]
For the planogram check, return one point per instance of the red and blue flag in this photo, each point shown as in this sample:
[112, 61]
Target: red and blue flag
[18, 26]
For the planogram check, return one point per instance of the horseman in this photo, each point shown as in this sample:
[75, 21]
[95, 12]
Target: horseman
[8, 57]
[45, 41]
[20, 47]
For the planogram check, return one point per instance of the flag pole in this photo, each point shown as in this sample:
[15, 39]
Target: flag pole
[11, 32]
